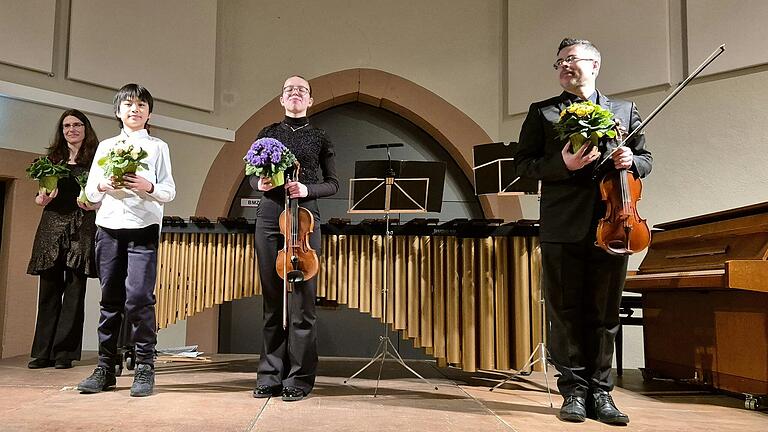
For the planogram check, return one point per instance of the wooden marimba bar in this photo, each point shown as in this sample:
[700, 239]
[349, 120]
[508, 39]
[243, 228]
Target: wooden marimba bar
[465, 291]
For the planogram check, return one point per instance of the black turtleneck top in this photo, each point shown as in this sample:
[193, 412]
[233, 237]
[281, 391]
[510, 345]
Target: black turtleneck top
[314, 151]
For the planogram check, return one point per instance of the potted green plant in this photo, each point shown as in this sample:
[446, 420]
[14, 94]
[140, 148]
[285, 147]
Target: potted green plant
[122, 159]
[82, 179]
[47, 173]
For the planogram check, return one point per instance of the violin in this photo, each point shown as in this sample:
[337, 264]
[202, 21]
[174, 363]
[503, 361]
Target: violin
[297, 261]
[622, 231]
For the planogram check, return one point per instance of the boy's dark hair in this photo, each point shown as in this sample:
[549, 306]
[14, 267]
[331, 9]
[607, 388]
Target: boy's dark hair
[565, 43]
[130, 92]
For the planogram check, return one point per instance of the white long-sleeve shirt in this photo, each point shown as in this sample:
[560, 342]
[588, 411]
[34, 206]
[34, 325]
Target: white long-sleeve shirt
[123, 208]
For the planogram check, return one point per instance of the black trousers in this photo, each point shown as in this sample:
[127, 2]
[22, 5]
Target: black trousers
[60, 314]
[288, 357]
[582, 290]
[127, 260]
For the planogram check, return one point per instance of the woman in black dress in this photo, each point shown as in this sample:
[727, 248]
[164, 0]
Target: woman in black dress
[63, 252]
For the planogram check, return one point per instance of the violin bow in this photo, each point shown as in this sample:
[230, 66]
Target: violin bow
[285, 258]
[285, 245]
[664, 103]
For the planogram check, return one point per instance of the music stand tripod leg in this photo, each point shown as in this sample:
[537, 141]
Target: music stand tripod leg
[541, 350]
[384, 353]
[400, 360]
[528, 365]
[545, 363]
[380, 352]
[385, 342]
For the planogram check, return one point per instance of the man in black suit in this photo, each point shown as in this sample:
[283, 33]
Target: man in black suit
[582, 283]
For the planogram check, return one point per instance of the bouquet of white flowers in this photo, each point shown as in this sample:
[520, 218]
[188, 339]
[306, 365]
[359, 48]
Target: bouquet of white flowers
[122, 159]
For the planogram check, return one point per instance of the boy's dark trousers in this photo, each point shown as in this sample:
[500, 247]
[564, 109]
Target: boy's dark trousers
[127, 260]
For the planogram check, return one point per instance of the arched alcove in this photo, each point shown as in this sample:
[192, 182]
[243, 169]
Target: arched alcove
[456, 132]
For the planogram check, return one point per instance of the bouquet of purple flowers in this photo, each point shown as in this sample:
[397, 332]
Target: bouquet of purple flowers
[268, 157]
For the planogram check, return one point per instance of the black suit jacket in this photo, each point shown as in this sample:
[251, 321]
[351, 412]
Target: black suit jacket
[570, 201]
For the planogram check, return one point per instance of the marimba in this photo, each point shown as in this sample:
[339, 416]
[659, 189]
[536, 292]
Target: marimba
[466, 290]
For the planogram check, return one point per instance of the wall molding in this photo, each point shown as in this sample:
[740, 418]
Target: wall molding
[65, 101]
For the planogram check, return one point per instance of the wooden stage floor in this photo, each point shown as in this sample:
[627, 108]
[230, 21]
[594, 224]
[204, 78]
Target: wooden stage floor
[216, 396]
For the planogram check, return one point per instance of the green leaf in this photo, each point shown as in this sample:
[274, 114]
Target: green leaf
[43, 167]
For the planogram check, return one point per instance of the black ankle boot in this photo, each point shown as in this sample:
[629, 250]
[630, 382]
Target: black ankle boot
[143, 380]
[102, 378]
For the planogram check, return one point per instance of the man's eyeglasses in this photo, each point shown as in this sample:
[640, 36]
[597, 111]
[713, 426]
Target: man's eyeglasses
[568, 60]
[72, 125]
[301, 89]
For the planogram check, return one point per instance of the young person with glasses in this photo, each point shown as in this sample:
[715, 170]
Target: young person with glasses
[63, 252]
[288, 362]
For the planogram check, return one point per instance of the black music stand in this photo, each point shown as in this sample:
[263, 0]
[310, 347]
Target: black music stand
[394, 187]
[496, 174]
[495, 171]
[540, 354]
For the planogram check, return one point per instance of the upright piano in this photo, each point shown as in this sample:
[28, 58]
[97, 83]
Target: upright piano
[704, 283]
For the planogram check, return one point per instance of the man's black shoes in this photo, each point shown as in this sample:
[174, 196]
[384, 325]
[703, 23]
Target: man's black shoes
[265, 391]
[573, 409]
[293, 394]
[102, 378]
[602, 409]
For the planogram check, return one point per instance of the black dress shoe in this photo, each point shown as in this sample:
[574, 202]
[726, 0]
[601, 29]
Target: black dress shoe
[602, 408]
[265, 391]
[573, 409]
[63, 364]
[40, 363]
[292, 394]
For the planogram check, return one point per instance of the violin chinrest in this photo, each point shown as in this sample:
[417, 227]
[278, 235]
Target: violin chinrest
[295, 276]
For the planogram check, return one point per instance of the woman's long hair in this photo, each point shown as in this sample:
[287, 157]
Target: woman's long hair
[59, 149]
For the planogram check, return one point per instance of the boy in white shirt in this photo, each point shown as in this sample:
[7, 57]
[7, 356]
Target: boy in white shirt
[128, 231]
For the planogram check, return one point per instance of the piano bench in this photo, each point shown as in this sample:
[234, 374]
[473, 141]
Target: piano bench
[626, 309]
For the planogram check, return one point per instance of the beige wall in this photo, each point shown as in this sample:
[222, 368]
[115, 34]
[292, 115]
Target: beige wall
[707, 144]
[18, 291]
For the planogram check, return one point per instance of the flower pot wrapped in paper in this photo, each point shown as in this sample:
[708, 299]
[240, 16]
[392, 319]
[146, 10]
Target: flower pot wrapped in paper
[268, 157]
[47, 173]
[123, 158]
[82, 179]
[584, 123]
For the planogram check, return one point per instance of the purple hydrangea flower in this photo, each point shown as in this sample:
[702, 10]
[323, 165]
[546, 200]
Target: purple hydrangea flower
[267, 156]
